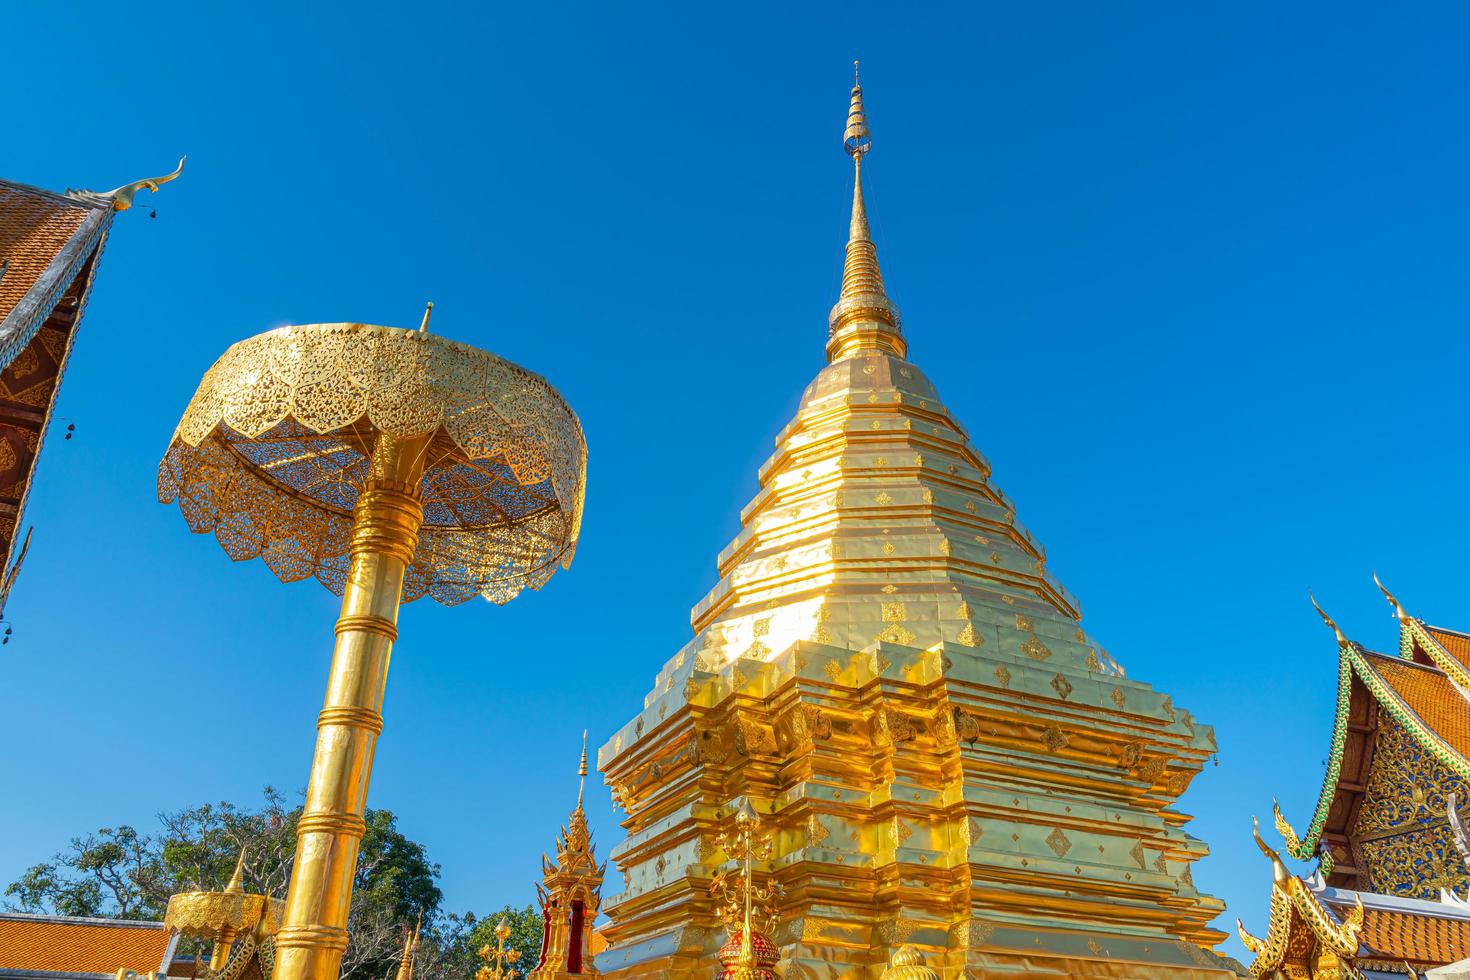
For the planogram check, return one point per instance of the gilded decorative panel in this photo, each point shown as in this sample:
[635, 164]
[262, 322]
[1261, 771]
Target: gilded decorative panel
[1401, 830]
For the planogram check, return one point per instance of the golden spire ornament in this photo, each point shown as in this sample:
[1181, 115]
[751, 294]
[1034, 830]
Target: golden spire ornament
[410, 947]
[388, 464]
[749, 954]
[864, 317]
[570, 894]
[501, 956]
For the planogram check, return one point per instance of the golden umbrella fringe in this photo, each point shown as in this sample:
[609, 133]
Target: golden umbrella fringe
[389, 464]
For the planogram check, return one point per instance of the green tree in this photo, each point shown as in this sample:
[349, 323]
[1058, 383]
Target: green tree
[121, 873]
[464, 936]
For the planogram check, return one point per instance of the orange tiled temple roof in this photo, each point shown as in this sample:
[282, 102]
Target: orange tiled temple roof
[34, 228]
[53, 944]
[1431, 695]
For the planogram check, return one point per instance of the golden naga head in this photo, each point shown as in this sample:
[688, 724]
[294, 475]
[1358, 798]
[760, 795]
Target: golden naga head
[121, 198]
[1342, 640]
[1398, 610]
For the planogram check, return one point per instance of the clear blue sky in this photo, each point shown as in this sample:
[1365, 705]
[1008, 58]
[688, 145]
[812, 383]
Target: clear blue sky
[1194, 279]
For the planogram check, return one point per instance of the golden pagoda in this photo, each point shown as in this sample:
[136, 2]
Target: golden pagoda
[570, 892]
[1390, 871]
[890, 675]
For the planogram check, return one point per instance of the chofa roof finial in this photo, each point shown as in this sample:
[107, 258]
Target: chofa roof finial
[121, 198]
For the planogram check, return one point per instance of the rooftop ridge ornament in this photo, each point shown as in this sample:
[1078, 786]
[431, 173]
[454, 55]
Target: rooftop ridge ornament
[1342, 639]
[389, 464]
[864, 319]
[1398, 610]
[121, 198]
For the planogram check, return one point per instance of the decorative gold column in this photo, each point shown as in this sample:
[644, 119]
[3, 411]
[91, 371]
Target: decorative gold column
[385, 531]
[388, 464]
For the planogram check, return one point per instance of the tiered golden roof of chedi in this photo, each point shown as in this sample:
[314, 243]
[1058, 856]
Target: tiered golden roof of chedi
[890, 674]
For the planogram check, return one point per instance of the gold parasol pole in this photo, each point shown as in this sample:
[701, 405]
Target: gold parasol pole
[385, 530]
[389, 464]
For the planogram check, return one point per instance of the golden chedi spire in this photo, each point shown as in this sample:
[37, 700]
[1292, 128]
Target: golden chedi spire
[410, 946]
[884, 638]
[864, 318]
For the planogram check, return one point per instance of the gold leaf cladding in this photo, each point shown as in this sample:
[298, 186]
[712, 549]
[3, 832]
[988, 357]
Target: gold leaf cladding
[944, 546]
[896, 633]
[928, 496]
[833, 670]
[893, 612]
[1187, 877]
[1062, 686]
[691, 689]
[1118, 698]
[882, 498]
[1003, 675]
[1092, 662]
[762, 627]
[1059, 842]
[880, 663]
[881, 461]
[1035, 649]
[706, 850]
[1151, 769]
[738, 679]
[1093, 947]
[1053, 738]
[900, 831]
[979, 933]
[995, 557]
[816, 831]
[1023, 622]
[1161, 865]
[821, 634]
[1138, 854]
[896, 932]
[889, 548]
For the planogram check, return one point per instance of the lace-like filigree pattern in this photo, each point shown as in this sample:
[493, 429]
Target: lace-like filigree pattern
[273, 449]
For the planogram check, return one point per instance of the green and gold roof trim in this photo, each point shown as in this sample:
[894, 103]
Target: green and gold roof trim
[1294, 907]
[1354, 660]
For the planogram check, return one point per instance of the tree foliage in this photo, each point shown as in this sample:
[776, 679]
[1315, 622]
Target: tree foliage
[119, 872]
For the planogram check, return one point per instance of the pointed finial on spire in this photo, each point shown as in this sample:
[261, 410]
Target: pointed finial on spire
[1398, 610]
[428, 311]
[864, 317]
[410, 944]
[582, 770]
[237, 879]
[1342, 640]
